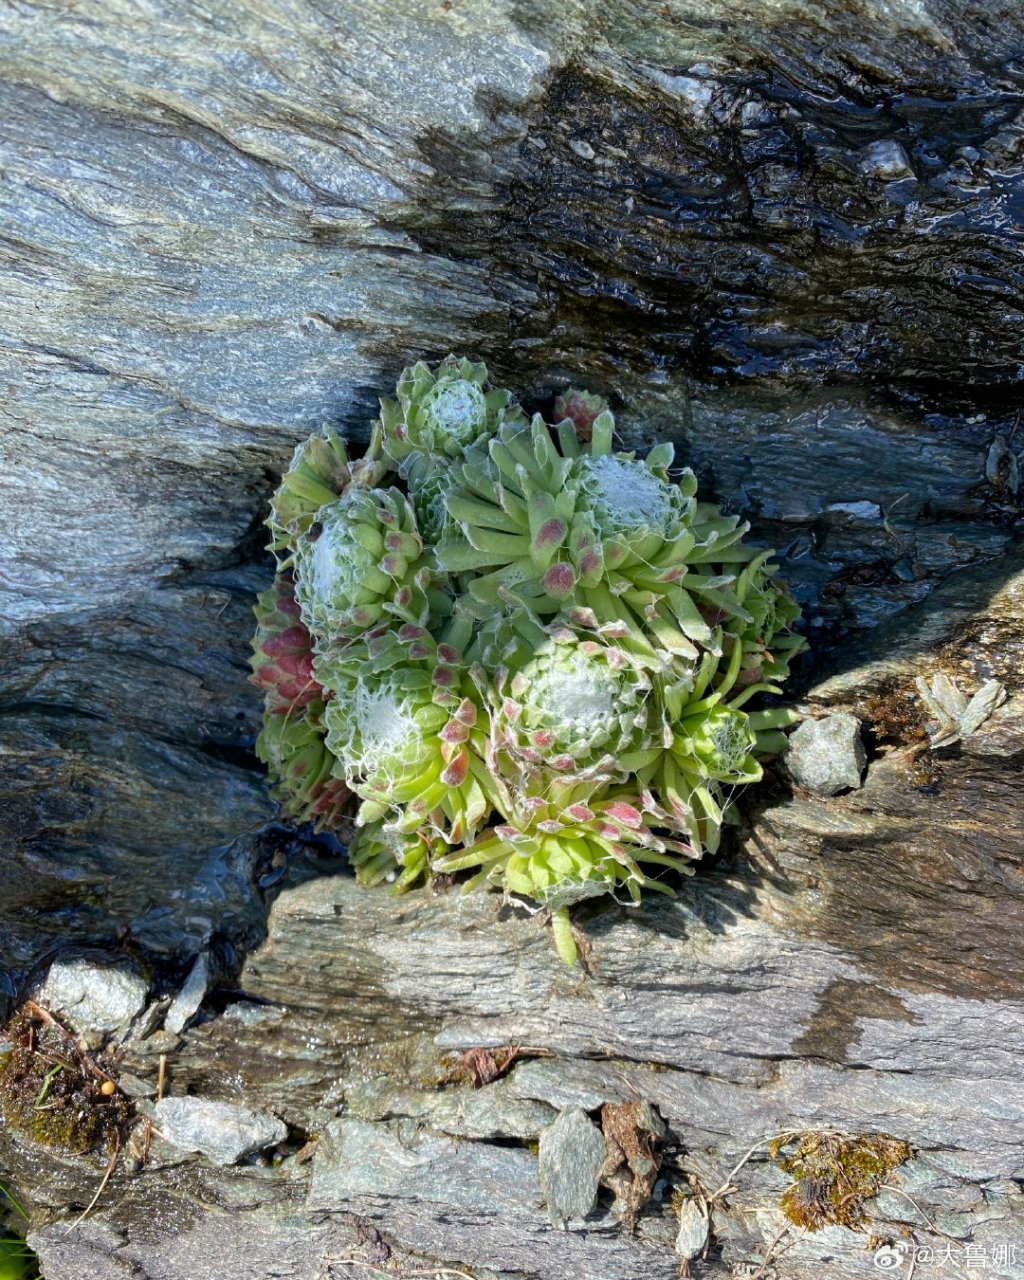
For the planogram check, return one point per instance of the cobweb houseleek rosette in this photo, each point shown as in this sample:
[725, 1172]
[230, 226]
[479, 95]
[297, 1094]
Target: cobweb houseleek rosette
[382, 855]
[320, 472]
[716, 747]
[560, 853]
[441, 413]
[362, 561]
[571, 701]
[407, 724]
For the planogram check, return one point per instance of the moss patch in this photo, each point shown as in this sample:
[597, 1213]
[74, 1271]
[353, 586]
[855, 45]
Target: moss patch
[835, 1174]
[55, 1093]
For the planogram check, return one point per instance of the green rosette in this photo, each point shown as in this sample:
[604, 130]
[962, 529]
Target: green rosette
[407, 724]
[362, 562]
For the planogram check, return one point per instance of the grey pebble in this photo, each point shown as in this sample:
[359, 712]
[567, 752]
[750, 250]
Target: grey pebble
[827, 756]
[572, 1152]
[94, 997]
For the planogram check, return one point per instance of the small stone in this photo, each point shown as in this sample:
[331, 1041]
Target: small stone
[190, 997]
[221, 1131]
[886, 160]
[583, 149]
[572, 1152]
[868, 511]
[100, 998]
[693, 1230]
[827, 756]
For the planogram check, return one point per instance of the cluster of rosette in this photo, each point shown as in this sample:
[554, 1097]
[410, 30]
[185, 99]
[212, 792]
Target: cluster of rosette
[508, 650]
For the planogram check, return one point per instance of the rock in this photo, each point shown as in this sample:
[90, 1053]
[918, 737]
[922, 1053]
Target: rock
[95, 997]
[220, 234]
[221, 1131]
[693, 1229]
[186, 1003]
[827, 756]
[572, 1153]
[886, 160]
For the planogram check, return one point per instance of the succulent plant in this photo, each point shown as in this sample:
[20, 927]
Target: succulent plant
[407, 726]
[360, 561]
[440, 413]
[510, 651]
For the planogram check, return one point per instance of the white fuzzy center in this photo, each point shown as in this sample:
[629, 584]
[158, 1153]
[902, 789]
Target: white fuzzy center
[584, 695]
[332, 562]
[458, 407]
[385, 725]
[631, 494]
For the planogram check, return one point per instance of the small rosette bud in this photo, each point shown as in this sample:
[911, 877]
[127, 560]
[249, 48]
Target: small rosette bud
[301, 768]
[282, 658]
[442, 413]
[581, 408]
[380, 855]
[320, 472]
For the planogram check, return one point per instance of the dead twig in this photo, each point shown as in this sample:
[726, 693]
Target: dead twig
[99, 1190]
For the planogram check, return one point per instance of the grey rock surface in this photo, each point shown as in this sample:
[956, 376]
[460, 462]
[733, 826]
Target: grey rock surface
[225, 225]
[827, 756]
[221, 1131]
[693, 1229]
[186, 1003]
[95, 997]
[572, 1151]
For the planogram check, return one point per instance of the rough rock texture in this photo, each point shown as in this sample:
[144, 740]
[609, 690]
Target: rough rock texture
[788, 238]
[223, 1133]
[827, 756]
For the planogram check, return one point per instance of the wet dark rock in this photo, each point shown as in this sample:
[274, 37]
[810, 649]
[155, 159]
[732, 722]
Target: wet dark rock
[827, 756]
[789, 242]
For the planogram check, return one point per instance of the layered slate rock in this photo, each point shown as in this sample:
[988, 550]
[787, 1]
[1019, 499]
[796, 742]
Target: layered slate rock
[785, 239]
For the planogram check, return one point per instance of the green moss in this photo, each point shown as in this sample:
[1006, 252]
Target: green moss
[52, 1093]
[835, 1174]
